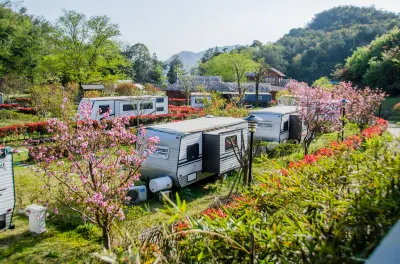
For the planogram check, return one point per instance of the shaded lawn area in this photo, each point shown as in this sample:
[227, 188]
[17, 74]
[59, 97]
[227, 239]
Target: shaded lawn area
[21, 246]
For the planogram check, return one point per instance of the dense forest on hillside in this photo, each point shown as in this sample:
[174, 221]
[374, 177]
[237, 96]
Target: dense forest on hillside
[331, 37]
[308, 53]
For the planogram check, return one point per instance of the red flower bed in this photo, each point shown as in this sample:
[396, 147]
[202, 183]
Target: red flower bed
[9, 106]
[184, 110]
[16, 130]
[27, 110]
[176, 101]
[350, 143]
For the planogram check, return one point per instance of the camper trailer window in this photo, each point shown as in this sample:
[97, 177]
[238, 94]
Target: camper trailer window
[230, 142]
[160, 109]
[192, 152]
[260, 97]
[160, 100]
[103, 108]
[129, 107]
[285, 126]
[146, 105]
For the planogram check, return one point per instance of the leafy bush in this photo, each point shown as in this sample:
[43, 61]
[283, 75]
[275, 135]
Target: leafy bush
[127, 89]
[91, 94]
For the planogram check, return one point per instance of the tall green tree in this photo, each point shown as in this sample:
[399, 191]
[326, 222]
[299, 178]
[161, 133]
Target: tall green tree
[174, 68]
[232, 67]
[83, 50]
[22, 41]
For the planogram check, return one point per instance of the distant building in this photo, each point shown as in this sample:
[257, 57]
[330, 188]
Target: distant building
[92, 87]
[215, 83]
[273, 77]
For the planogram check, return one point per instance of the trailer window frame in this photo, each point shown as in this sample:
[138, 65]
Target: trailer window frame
[192, 152]
[102, 107]
[134, 107]
[229, 143]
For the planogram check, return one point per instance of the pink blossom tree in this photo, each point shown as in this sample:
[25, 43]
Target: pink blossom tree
[318, 109]
[363, 103]
[89, 165]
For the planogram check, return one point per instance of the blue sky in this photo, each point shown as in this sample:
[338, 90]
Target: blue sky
[170, 26]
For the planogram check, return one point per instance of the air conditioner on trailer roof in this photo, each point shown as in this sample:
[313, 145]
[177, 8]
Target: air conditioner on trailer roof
[137, 194]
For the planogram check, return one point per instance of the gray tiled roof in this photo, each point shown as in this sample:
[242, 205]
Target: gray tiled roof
[215, 83]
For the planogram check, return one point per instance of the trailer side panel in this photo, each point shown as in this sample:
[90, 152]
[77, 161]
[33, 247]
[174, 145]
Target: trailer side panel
[7, 193]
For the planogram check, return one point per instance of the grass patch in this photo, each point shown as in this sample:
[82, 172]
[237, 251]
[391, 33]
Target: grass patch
[53, 246]
[10, 117]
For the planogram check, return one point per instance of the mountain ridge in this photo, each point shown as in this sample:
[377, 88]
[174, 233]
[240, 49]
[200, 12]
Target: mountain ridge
[190, 58]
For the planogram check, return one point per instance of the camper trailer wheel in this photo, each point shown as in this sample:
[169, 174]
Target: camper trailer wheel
[12, 227]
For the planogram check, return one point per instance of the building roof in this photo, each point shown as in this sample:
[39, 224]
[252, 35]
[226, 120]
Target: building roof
[253, 74]
[277, 72]
[197, 125]
[92, 86]
[276, 110]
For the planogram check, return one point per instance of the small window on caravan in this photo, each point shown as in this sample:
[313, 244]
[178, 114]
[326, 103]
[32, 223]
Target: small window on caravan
[260, 97]
[148, 105]
[103, 108]
[285, 126]
[129, 107]
[230, 142]
[160, 109]
[192, 152]
[160, 100]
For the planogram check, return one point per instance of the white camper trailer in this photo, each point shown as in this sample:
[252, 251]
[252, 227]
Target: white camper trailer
[192, 150]
[279, 124]
[7, 191]
[128, 105]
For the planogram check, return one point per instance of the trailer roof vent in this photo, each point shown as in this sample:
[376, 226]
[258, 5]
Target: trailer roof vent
[209, 116]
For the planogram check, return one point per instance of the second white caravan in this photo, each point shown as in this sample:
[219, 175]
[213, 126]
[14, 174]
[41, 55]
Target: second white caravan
[127, 106]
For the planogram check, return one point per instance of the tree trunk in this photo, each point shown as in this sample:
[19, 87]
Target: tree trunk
[187, 97]
[106, 238]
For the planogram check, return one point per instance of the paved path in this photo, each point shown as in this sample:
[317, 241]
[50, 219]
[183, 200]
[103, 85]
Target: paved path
[394, 129]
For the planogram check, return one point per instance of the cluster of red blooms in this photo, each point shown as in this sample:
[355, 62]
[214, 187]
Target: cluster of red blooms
[350, 143]
[176, 101]
[26, 100]
[379, 128]
[184, 110]
[19, 108]
[9, 106]
[23, 128]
